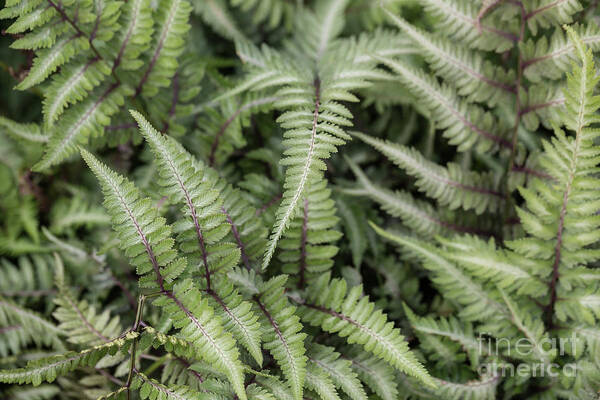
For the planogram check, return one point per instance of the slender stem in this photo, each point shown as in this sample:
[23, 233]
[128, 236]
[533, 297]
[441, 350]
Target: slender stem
[135, 327]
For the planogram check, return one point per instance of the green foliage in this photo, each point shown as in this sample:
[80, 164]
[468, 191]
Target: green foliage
[449, 252]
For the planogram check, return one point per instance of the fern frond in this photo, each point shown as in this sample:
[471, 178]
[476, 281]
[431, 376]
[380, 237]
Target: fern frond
[48, 369]
[79, 319]
[73, 85]
[320, 383]
[532, 328]
[484, 261]
[450, 186]
[269, 12]
[545, 13]
[171, 26]
[149, 388]
[376, 373]
[75, 212]
[580, 305]
[185, 182]
[28, 276]
[465, 69]
[27, 132]
[338, 369]
[317, 29]
[135, 34]
[36, 325]
[479, 303]
[451, 329]
[84, 120]
[239, 318]
[42, 392]
[308, 245]
[460, 19]
[198, 324]
[332, 307]
[551, 59]
[541, 105]
[483, 388]
[275, 386]
[560, 215]
[216, 14]
[415, 214]
[284, 339]
[143, 235]
[249, 232]
[465, 125]
[49, 60]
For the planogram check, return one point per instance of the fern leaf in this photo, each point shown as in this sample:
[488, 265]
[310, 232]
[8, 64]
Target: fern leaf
[79, 319]
[484, 261]
[171, 28]
[415, 214]
[72, 86]
[42, 392]
[199, 325]
[320, 383]
[532, 329]
[275, 386]
[562, 226]
[249, 232]
[460, 19]
[48, 60]
[326, 360]
[12, 314]
[149, 388]
[28, 276]
[454, 283]
[308, 245]
[48, 369]
[134, 36]
[545, 13]
[26, 132]
[284, 340]
[216, 14]
[450, 186]
[551, 59]
[269, 12]
[465, 125]
[348, 313]
[451, 329]
[68, 214]
[239, 319]
[143, 235]
[465, 69]
[186, 182]
[376, 373]
[84, 120]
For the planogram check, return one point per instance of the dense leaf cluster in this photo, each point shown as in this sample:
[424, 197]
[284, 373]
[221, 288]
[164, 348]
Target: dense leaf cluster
[236, 255]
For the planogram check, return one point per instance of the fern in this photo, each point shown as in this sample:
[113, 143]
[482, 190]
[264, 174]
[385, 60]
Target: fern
[448, 252]
[95, 44]
[47, 369]
[284, 340]
[78, 319]
[351, 316]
